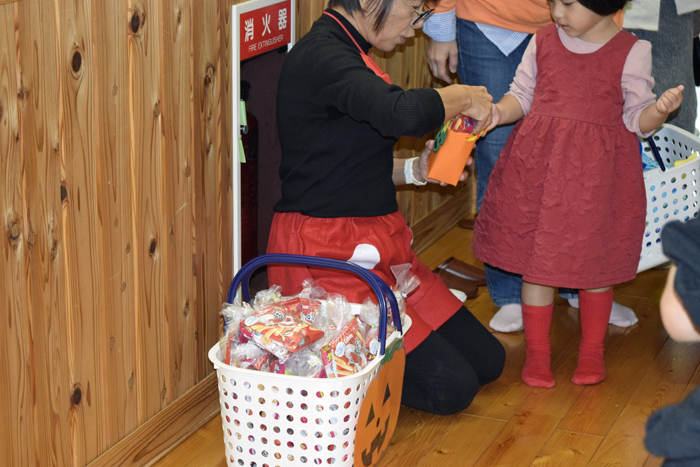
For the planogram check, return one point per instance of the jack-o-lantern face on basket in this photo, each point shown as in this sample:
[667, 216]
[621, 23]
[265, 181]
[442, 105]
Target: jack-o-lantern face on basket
[380, 410]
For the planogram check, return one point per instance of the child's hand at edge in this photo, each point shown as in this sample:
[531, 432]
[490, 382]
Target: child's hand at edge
[507, 110]
[670, 100]
[424, 164]
[654, 115]
[495, 117]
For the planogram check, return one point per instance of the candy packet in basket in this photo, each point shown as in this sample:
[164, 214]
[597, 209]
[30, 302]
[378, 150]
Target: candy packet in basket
[314, 334]
[248, 356]
[345, 354]
[406, 282]
[234, 314]
[278, 330]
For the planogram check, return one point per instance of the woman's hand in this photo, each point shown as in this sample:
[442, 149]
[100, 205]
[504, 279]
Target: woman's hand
[423, 165]
[472, 101]
[670, 100]
[440, 55]
[480, 108]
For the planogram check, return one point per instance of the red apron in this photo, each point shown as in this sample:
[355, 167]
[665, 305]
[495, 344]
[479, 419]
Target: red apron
[375, 243]
[371, 64]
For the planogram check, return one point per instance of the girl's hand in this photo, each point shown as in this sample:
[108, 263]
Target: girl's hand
[424, 164]
[670, 100]
[495, 117]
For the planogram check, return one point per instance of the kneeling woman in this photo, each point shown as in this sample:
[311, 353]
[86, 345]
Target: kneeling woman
[339, 117]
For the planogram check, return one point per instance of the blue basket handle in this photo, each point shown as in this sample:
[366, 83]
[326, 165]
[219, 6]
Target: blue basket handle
[378, 286]
[655, 151]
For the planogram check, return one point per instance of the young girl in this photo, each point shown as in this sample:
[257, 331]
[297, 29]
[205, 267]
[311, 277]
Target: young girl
[565, 204]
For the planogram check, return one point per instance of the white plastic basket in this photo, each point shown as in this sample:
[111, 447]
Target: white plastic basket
[671, 195]
[273, 420]
[279, 420]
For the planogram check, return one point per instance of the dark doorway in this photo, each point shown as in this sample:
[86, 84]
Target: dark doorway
[260, 183]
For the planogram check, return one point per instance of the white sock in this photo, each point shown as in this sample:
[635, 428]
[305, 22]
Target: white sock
[508, 319]
[620, 315]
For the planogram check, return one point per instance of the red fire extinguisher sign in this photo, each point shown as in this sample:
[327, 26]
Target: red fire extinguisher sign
[265, 29]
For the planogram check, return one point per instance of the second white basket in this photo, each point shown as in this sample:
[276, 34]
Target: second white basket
[671, 195]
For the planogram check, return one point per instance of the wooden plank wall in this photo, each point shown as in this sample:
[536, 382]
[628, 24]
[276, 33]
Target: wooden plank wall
[115, 207]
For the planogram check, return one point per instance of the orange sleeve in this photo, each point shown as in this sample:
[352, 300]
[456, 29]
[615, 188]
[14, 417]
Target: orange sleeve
[529, 16]
[443, 6]
[514, 15]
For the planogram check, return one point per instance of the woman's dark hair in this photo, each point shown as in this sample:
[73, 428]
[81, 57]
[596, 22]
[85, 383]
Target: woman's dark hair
[604, 7]
[379, 8]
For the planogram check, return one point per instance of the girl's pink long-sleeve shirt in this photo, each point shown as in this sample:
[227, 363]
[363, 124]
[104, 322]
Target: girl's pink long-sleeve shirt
[637, 82]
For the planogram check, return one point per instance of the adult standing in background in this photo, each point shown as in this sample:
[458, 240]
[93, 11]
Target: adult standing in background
[668, 25]
[484, 41]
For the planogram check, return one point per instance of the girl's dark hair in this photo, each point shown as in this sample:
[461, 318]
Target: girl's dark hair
[604, 7]
[379, 8]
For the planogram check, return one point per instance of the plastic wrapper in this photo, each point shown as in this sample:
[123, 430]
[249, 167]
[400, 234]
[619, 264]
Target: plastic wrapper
[333, 315]
[453, 145]
[305, 363]
[277, 367]
[248, 356]
[369, 313]
[406, 282]
[279, 331]
[312, 290]
[267, 296]
[234, 314]
[372, 344]
[306, 309]
[369, 325]
[345, 354]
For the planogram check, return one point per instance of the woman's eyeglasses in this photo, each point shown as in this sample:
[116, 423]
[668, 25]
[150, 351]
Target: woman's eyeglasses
[422, 15]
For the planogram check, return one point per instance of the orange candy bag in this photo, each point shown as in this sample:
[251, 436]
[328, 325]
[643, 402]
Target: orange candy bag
[277, 330]
[345, 354]
[453, 145]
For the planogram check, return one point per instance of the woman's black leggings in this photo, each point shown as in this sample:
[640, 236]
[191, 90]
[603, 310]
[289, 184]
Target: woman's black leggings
[444, 372]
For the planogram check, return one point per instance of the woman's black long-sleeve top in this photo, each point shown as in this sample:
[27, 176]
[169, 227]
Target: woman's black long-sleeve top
[338, 123]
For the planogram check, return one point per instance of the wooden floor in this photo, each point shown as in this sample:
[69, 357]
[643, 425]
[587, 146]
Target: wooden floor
[511, 424]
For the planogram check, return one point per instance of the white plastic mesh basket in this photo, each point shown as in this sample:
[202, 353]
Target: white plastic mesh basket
[671, 195]
[273, 420]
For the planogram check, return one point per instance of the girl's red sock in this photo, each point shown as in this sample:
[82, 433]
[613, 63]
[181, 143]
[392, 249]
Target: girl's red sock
[595, 313]
[537, 371]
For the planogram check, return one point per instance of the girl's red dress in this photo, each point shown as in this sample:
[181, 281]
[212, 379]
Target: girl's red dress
[565, 204]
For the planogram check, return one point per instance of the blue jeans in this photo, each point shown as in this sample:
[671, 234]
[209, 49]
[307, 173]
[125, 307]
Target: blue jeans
[481, 63]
